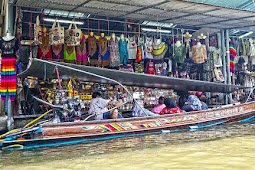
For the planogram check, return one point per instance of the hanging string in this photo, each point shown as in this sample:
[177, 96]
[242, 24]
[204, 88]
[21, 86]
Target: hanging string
[60, 88]
[31, 34]
[98, 26]
[88, 27]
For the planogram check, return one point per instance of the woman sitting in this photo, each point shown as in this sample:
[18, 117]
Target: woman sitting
[157, 109]
[170, 107]
[193, 104]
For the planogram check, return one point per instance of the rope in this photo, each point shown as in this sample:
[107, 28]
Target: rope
[60, 88]
[38, 118]
[42, 97]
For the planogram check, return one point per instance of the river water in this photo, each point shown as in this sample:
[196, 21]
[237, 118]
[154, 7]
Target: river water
[229, 146]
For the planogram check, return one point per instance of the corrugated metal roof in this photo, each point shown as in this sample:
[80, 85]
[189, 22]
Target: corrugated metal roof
[237, 4]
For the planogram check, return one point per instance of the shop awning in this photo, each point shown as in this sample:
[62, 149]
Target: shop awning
[41, 68]
[179, 12]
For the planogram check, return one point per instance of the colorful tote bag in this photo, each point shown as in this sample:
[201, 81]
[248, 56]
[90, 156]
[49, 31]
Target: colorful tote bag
[37, 32]
[218, 75]
[56, 34]
[72, 36]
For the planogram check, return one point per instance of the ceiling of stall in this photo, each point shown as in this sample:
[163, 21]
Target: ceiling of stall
[236, 4]
[178, 12]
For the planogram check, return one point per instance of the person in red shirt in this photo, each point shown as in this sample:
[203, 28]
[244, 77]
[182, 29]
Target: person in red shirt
[170, 107]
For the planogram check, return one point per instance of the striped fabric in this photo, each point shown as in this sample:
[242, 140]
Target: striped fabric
[8, 78]
[232, 51]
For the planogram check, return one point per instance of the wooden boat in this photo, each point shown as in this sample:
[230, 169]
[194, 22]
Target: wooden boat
[75, 132]
[50, 134]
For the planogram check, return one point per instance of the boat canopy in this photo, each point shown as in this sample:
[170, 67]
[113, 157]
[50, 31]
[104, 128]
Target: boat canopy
[45, 69]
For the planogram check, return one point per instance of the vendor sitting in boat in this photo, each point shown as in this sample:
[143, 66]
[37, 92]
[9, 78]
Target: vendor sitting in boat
[171, 107]
[193, 104]
[98, 107]
[157, 109]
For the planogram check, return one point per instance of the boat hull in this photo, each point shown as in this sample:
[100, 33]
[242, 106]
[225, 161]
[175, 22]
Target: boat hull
[76, 132]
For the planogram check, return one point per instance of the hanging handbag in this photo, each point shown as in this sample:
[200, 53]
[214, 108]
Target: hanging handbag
[218, 75]
[56, 34]
[72, 36]
[37, 32]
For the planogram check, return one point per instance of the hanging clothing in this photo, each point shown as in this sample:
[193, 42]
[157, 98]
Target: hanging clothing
[92, 51]
[252, 47]
[114, 52]
[123, 52]
[8, 68]
[159, 51]
[57, 52]
[103, 51]
[81, 51]
[69, 53]
[232, 52]
[44, 50]
[178, 52]
[213, 41]
[245, 47]
[149, 48]
[140, 49]
[199, 54]
[132, 48]
[139, 67]
[150, 68]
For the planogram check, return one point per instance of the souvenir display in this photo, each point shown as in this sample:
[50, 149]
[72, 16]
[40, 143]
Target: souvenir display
[232, 56]
[37, 32]
[92, 50]
[123, 51]
[56, 34]
[199, 54]
[178, 52]
[9, 48]
[148, 48]
[103, 50]
[69, 53]
[81, 52]
[57, 53]
[140, 49]
[159, 51]
[132, 48]
[114, 52]
[72, 36]
[44, 50]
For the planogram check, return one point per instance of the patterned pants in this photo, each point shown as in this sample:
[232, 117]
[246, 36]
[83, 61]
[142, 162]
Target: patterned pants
[8, 78]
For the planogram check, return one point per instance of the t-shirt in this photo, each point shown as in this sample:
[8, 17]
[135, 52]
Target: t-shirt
[171, 110]
[158, 108]
[98, 106]
[9, 47]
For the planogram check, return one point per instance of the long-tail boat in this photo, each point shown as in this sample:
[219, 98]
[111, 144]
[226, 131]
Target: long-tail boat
[49, 134]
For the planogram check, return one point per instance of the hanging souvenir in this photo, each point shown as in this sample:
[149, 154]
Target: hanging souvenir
[150, 68]
[127, 68]
[92, 51]
[57, 53]
[132, 48]
[69, 53]
[114, 52]
[37, 32]
[72, 36]
[159, 51]
[81, 52]
[103, 50]
[8, 67]
[44, 50]
[56, 34]
[148, 48]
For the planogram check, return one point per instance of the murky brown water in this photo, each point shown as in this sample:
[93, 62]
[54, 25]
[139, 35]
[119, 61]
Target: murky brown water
[220, 147]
